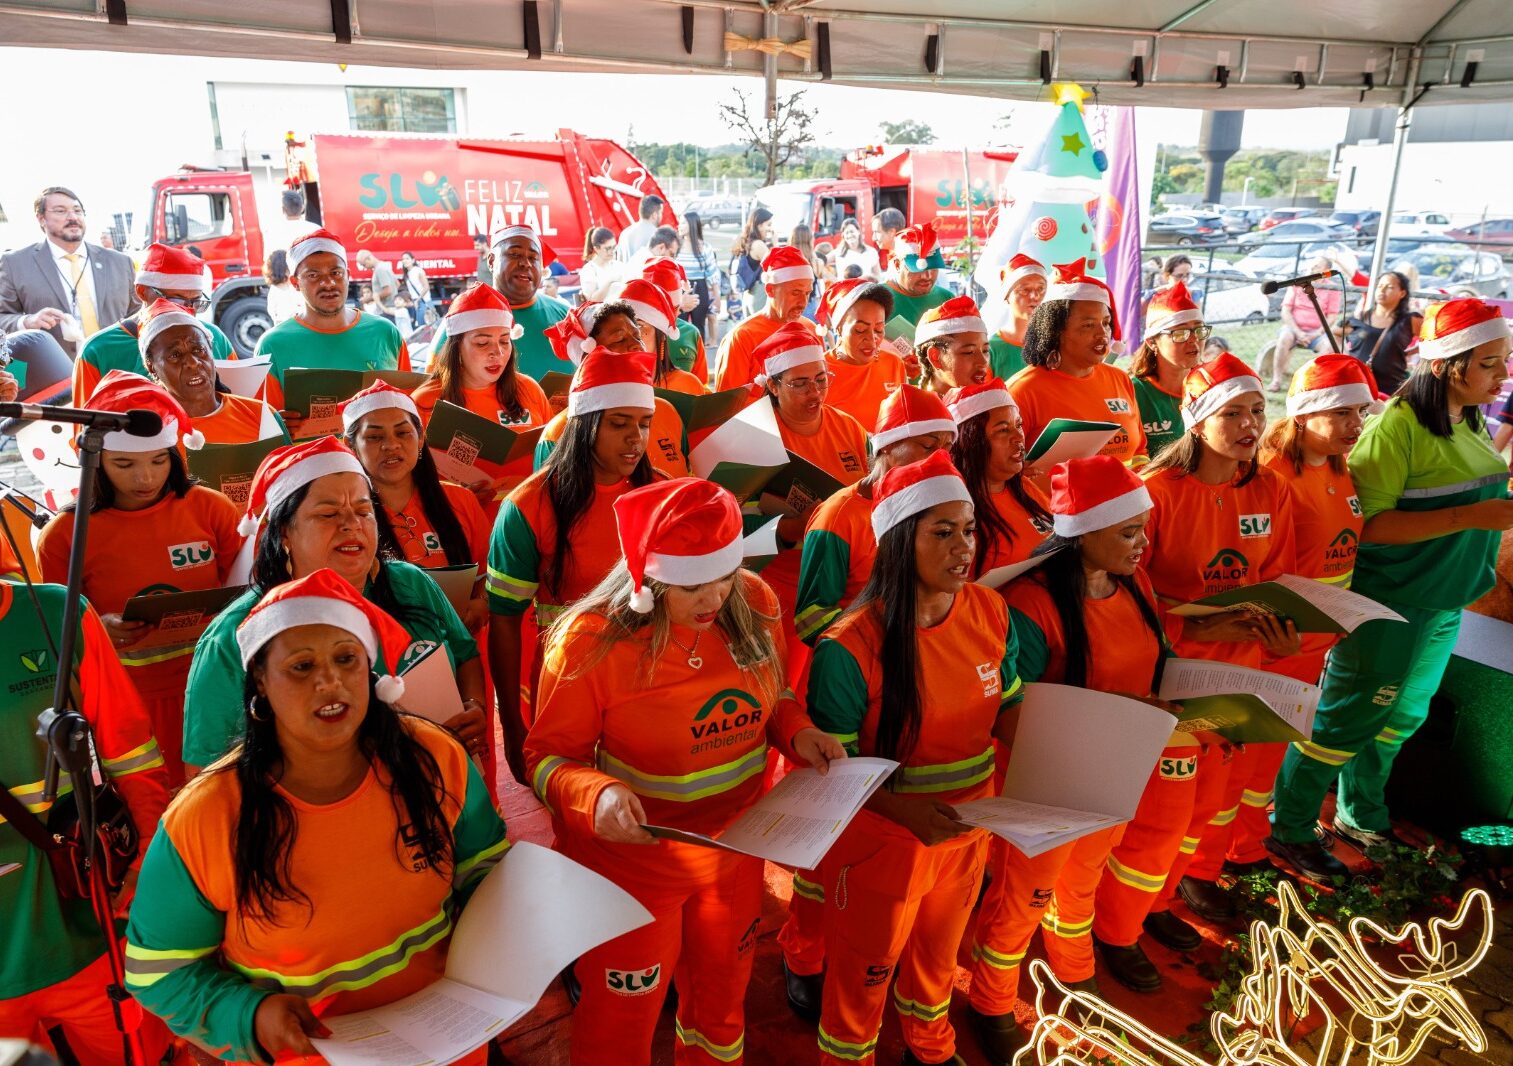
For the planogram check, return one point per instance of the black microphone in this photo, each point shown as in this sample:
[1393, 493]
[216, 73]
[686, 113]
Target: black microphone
[1269, 287]
[138, 423]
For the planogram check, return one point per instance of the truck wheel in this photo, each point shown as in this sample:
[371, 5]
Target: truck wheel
[244, 322]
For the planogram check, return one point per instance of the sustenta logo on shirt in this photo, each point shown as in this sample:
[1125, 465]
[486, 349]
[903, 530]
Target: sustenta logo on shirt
[1255, 525]
[987, 673]
[1226, 569]
[1118, 405]
[196, 553]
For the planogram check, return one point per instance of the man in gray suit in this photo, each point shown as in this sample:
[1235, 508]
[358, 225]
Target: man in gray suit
[63, 284]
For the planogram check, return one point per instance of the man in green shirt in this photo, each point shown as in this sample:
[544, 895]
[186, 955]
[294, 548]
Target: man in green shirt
[913, 267]
[515, 257]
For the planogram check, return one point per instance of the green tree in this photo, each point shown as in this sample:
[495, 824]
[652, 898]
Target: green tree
[908, 131]
[778, 140]
[1186, 177]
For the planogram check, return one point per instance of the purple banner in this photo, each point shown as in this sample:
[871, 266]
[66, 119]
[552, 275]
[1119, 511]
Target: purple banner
[1119, 224]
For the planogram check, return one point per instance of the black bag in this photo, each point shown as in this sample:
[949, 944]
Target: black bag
[62, 840]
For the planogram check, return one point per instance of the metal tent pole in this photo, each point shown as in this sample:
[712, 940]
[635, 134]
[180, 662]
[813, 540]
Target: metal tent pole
[1411, 94]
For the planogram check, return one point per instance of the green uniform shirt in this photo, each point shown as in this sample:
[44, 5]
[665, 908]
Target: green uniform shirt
[910, 308]
[213, 698]
[370, 343]
[1160, 414]
[514, 562]
[116, 349]
[1006, 359]
[1399, 465]
[533, 352]
[684, 350]
[824, 564]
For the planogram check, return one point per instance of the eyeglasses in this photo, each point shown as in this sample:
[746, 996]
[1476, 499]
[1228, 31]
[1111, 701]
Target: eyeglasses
[189, 303]
[1187, 333]
[820, 382]
[64, 212]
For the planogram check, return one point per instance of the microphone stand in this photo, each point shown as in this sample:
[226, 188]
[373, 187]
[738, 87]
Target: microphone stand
[1307, 287]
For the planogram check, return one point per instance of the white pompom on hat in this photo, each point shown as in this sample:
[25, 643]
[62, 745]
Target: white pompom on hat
[122, 391]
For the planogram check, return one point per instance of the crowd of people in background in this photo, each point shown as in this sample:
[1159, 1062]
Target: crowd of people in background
[306, 845]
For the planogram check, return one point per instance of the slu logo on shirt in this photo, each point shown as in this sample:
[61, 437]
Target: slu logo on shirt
[195, 553]
[633, 982]
[1355, 505]
[1175, 769]
[1225, 569]
[1118, 405]
[1163, 426]
[1255, 525]
[431, 541]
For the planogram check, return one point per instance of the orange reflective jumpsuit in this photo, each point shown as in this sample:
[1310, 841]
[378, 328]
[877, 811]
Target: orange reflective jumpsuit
[890, 901]
[691, 742]
[1055, 889]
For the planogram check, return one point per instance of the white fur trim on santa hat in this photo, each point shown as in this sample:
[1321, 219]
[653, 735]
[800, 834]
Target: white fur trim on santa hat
[265, 623]
[1315, 400]
[158, 323]
[377, 401]
[608, 397]
[1014, 277]
[152, 279]
[1108, 513]
[485, 318]
[1453, 344]
[696, 569]
[782, 274]
[942, 327]
[920, 496]
[307, 470]
[1215, 398]
[1077, 290]
[302, 250]
[981, 403]
[653, 316]
[1172, 321]
[121, 441]
[911, 429]
[501, 235]
[780, 362]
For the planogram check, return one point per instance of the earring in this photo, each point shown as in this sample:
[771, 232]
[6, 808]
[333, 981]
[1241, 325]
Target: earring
[252, 709]
[1053, 361]
[289, 565]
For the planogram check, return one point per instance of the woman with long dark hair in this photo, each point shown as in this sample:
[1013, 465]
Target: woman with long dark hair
[1381, 333]
[677, 623]
[1088, 593]
[1012, 518]
[703, 272]
[685, 346]
[746, 256]
[657, 322]
[863, 367]
[920, 669]
[325, 856]
[151, 530]
[555, 536]
[1172, 345]
[310, 507]
[1434, 496]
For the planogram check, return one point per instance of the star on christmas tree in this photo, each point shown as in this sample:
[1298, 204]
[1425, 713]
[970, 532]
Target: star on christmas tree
[1072, 142]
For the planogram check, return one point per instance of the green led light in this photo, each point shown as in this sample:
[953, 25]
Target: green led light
[1488, 836]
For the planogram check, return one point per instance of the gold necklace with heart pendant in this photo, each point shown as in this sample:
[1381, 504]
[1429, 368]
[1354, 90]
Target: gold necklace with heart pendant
[694, 659]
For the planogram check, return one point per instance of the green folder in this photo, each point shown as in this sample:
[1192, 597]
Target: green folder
[899, 326]
[177, 618]
[315, 394]
[1268, 597]
[708, 410]
[1239, 717]
[1057, 428]
[228, 468]
[468, 447]
[797, 487]
[752, 524]
[556, 383]
[742, 480]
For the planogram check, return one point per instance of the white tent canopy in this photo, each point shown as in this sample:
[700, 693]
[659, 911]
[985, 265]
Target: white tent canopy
[1270, 53]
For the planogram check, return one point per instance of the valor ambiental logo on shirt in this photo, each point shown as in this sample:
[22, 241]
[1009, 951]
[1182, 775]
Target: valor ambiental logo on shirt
[1224, 569]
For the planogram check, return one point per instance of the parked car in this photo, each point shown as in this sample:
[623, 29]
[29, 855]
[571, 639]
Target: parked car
[1365, 223]
[715, 211]
[1298, 230]
[1489, 231]
[1416, 223]
[1458, 270]
[1277, 215]
[1285, 260]
[1187, 230]
[1230, 297]
[1242, 219]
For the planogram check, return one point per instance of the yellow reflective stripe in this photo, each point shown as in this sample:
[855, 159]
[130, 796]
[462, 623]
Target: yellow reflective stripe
[1339, 580]
[1064, 929]
[547, 613]
[1190, 845]
[480, 863]
[720, 1052]
[1251, 798]
[925, 1012]
[846, 738]
[684, 788]
[1012, 691]
[815, 618]
[1333, 756]
[143, 757]
[1225, 817]
[808, 889]
[1391, 736]
[145, 967]
[360, 972]
[943, 777]
[30, 795]
[498, 583]
[996, 959]
[150, 656]
[840, 1049]
[544, 770]
[1136, 879]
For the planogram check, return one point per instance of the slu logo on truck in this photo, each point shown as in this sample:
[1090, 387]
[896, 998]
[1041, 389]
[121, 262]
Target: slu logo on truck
[387, 190]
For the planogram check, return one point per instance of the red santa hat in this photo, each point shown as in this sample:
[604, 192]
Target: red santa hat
[1071, 281]
[1209, 386]
[785, 263]
[791, 344]
[1171, 307]
[482, 307]
[320, 240]
[957, 315]
[324, 598]
[666, 273]
[122, 391]
[286, 470]
[166, 267]
[1092, 494]
[838, 300]
[905, 491]
[606, 380]
[973, 400]
[910, 411]
[165, 314]
[376, 397]
[1329, 381]
[570, 337]
[650, 303]
[915, 248]
[1457, 326]
[686, 531]
[1016, 270]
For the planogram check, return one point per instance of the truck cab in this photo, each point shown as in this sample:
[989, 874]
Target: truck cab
[823, 205]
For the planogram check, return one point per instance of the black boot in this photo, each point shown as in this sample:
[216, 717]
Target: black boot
[1166, 929]
[1308, 858]
[999, 1034]
[910, 1060]
[803, 993]
[1129, 966]
[1206, 899]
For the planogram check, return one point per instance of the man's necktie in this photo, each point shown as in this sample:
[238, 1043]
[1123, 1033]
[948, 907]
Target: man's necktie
[84, 294]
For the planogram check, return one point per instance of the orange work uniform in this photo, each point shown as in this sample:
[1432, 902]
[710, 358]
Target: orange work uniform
[1055, 890]
[734, 365]
[860, 390]
[1207, 539]
[666, 448]
[676, 380]
[1105, 395]
[1025, 530]
[179, 544]
[890, 901]
[240, 420]
[689, 736]
[535, 409]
